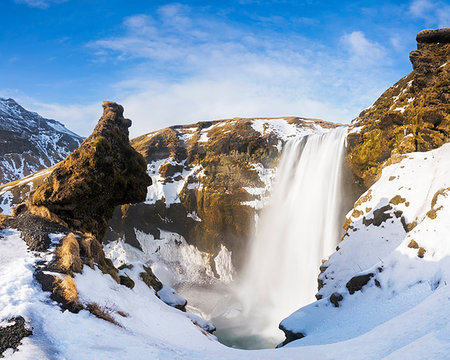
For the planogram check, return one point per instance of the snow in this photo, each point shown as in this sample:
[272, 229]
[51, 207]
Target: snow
[166, 190]
[149, 329]
[282, 128]
[193, 215]
[261, 194]
[6, 198]
[172, 259]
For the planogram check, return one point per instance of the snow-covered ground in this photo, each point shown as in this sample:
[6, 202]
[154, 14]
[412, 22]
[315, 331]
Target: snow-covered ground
[150, 329]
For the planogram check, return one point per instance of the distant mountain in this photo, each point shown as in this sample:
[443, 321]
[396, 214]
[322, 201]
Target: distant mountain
[29, 142]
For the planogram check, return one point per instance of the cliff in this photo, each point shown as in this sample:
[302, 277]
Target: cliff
[412, 115]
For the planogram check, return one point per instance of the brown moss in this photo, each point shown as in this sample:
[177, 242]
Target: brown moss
[397, 199]
[103, 172]
[357, 213]
[411, 226]
[150, 279]
[413, 244]
[364, 198]
[421, 252]
[441, 192]
[67, 256]
[101, 313]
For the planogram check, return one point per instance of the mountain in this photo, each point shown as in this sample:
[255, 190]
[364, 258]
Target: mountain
[30, 142]
[386, 286]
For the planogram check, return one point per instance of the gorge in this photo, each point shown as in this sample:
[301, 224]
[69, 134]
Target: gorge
[248, 219]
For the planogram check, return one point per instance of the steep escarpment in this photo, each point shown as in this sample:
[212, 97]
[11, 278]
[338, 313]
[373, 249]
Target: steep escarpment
[412, 115]
[30, 142]
[209, 180]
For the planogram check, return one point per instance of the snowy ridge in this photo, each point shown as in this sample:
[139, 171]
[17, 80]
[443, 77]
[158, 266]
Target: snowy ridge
[30, 142]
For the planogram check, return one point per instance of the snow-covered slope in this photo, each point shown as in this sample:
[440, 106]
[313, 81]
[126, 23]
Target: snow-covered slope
[30, 142]
[387, 285]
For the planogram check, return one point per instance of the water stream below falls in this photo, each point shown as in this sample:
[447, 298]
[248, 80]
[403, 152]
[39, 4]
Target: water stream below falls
[298, 229]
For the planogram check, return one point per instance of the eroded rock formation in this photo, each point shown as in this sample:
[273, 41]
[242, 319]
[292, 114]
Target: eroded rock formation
[76, 201]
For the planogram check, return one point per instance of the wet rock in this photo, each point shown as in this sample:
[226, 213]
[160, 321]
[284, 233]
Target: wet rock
[150, 279]
[356, 283]
[290, 336]
[12, 335]
[127, 281]
[335, 298]
[35, 230]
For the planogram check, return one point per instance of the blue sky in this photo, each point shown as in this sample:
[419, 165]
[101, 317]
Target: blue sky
[180, 62]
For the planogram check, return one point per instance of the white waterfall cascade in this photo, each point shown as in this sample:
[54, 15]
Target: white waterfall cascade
[299, 228]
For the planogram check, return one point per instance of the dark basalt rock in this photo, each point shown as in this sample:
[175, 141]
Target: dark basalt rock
[35, 230]
[290, 336]
[12, 335]
[356, 283]
[433, 36]
[335, 298]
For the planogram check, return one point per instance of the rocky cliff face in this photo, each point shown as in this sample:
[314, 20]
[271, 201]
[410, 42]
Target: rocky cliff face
[68, 212]
[105, 171]
[30, 142]
[413, 115]
[209, 180]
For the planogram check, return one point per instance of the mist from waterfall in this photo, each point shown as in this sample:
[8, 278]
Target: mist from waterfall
[297, 230]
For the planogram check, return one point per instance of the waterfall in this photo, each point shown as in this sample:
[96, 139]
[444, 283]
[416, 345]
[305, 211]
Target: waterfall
[299, 228]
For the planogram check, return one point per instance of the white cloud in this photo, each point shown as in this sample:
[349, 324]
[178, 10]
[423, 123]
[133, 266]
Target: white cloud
[183, 67]
[192, 67]
[43, 4]
[362, 50]
[435, 13]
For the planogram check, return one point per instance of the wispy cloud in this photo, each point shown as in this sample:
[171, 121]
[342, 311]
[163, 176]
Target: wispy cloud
[43, 4]
[435, 13]
[189, 67]
[362, 50]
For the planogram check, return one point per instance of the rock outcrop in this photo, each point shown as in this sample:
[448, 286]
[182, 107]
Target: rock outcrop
[413, 115]
[75, 202]
[105, 171]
